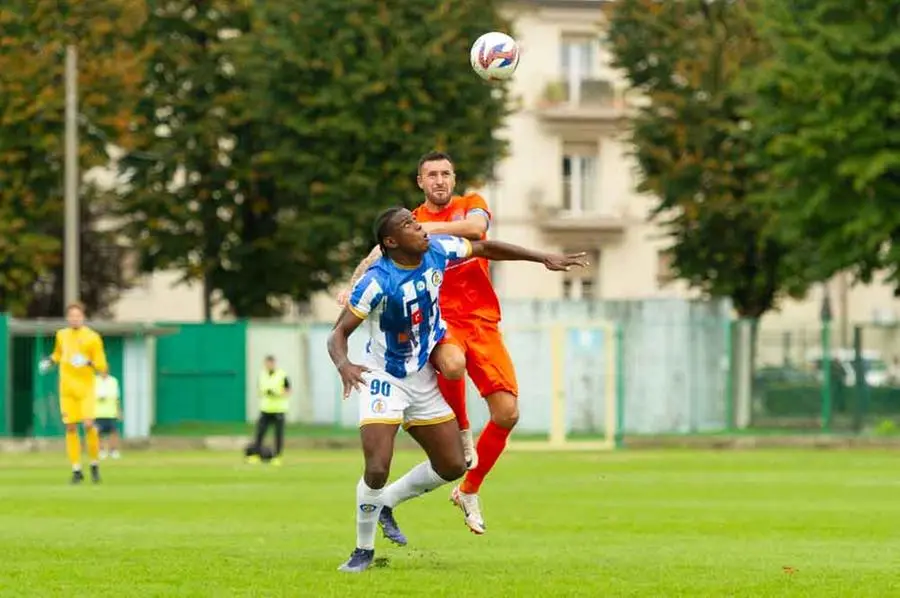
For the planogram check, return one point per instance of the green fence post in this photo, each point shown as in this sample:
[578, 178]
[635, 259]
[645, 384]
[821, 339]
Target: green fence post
[861, 402]
[39, 420]
[826, 373]
[729, 375]
[620, 387]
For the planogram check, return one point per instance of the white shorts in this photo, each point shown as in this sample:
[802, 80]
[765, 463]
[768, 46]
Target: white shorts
[411, 401]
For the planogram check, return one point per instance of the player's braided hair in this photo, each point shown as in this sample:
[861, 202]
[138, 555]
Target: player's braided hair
[380, 226]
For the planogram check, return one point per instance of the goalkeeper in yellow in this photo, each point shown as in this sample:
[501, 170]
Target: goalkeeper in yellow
[78, 351]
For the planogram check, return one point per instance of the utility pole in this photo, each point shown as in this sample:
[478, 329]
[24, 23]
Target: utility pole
[72, 238]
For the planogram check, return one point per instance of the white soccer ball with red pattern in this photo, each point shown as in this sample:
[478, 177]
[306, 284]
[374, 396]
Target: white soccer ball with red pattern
[494, 56]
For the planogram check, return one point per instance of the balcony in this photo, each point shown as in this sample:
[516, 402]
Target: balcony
[579, 227]
[582, 102]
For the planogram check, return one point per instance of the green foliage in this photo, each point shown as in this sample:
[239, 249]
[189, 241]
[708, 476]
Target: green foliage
[296, 131]
[695, 151]
[33, 36]
[103, 260]
[828, 110]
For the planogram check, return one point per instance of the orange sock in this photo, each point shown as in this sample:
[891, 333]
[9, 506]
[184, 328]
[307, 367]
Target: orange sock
[454, 392]
[491, 444]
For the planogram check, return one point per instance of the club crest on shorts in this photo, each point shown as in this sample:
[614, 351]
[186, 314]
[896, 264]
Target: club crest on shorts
[378, 406]
[436, 278]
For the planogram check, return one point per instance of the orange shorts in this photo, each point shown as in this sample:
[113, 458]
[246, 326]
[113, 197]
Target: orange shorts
[487, 360]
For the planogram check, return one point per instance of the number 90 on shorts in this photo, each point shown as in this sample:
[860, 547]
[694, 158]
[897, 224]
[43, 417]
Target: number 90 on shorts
[413, 400]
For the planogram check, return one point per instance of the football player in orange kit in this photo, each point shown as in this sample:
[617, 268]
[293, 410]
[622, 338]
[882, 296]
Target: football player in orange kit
[472, 312]
[78, 351]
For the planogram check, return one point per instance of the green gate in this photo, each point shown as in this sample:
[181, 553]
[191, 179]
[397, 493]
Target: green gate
[201, 373]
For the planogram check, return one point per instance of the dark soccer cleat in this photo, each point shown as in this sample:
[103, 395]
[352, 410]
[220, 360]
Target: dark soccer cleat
[77, 477]
[389, 527]
[360, 560]
[95, 473]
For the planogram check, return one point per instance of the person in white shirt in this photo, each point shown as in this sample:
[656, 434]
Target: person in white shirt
[108, 415]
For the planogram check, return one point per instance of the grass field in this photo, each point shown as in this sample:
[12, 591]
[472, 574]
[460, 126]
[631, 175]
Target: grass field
[658, 524]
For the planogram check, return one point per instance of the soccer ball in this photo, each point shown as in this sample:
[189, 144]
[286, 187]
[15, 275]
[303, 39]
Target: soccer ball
[494, 56]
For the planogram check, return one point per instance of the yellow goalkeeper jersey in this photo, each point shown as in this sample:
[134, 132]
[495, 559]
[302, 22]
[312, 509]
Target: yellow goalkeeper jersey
[79, 353]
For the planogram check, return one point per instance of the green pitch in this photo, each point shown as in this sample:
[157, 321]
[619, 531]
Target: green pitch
[658, 524]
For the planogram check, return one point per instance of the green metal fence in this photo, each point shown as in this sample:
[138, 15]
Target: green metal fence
[201, 373]
[806, 378]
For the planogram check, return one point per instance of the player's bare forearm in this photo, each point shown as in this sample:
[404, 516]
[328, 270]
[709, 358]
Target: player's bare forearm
[364, 265]
[351, 374]
[501, 251]
[472, 228]
[337, 347]
[346, 323]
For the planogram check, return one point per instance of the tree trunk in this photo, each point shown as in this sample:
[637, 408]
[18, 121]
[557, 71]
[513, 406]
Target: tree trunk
[207, 298]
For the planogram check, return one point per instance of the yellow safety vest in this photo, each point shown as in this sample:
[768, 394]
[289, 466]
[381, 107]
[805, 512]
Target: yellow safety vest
[272, 398]
[107, 391]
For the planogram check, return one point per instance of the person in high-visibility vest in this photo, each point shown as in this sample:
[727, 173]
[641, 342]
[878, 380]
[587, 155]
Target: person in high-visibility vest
[109, 414]
[274, 392]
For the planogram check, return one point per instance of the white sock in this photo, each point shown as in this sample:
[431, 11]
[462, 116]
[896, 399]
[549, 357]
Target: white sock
[417, 481]
[368, 508]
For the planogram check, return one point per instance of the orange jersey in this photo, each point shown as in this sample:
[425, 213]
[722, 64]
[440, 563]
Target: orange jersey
[467, 290]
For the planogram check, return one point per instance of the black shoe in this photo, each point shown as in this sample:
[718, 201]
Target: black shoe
[360, 560]
[95, 473]
[77, 477]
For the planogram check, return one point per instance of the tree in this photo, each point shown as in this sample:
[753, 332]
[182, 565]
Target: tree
[33, 37]
[312, 117]
[179, 170]
[103, 260]
[828, 110]
[695, 150]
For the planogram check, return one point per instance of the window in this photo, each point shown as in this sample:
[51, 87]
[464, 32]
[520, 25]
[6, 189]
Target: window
[579, 174]
[579, 63]
[581, 285]
[579, 56]
[579, 289]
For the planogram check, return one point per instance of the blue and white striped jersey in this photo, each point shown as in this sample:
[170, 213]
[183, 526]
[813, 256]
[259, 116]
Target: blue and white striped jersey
[401, 305]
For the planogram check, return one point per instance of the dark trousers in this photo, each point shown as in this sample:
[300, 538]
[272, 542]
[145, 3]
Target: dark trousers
[265, 420]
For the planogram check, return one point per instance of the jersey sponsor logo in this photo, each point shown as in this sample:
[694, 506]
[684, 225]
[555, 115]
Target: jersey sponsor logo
[416, 316]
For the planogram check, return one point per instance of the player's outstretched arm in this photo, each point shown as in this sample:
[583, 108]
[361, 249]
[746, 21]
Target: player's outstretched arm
[500, 251]
[364, 265]
[351, 374]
